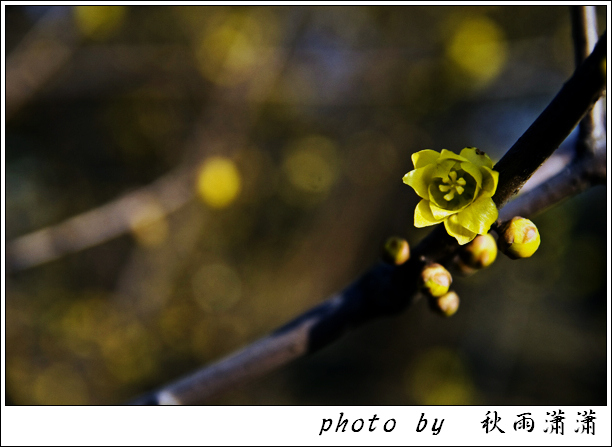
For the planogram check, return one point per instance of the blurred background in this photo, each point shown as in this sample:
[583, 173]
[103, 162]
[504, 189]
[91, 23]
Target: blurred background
[181, 181]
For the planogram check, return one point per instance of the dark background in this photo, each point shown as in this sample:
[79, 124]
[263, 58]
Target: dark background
[306, 117]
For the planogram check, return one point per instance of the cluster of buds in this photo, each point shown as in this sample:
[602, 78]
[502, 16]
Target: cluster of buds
[518, 238]
[435, 282]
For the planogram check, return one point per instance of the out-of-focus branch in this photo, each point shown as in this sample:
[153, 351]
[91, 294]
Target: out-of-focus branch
[164, 196]
[42, 52]
[584, 34]
[584, 31]
[384, 289]
[101, 224]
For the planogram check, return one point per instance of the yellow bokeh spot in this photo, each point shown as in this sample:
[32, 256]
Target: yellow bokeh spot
[99, 22]
[148, 223]
[175, 325]
[203, 338]
[228, 52]
[440, 377]
[219, 182]
[80, 325]
[478, 48]
[129, 350]
[311, 165]
[216, 287]
[60, 384]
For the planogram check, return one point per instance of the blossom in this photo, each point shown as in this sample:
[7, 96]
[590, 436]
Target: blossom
[455, 189]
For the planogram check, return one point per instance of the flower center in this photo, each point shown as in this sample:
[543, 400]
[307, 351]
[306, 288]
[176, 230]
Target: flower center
[453, 184]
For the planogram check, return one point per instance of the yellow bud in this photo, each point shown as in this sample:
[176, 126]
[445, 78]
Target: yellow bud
[479, 253]
[520, 238]
[396, 250]
[446, 305]
[435, 280]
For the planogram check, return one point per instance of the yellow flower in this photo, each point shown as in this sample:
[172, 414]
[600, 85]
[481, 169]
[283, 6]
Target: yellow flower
[455, 189]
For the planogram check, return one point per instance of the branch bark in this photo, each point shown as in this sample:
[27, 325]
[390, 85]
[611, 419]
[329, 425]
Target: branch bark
[385, 289]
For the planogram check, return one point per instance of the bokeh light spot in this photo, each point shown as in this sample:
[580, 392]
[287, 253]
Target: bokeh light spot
[311, 165]
[228, 52]
[218, 182]
[99, 22]
[216, 287]
[130, 351]
[478, 48]
[60, 384]
[440, 377]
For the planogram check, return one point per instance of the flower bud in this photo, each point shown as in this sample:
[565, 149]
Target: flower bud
[435, 280]
[479, 253]
[396, 250]
[520, 238]
[446, 305]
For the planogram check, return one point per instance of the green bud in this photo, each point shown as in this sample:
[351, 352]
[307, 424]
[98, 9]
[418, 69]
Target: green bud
[435, 280]
[396, 250]
[479, 253]
[445, 305]
[520, 238]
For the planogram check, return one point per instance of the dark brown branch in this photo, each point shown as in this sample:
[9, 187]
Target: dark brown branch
[384, 289]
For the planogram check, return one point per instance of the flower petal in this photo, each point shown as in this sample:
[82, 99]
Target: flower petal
[449, 155]
[423, 216]
[443, 168]
[463, 235]
[474, 171]
[479, 216]
[440, 213]
[477, 157]
[424, 158]
[489, 181]
[420, 179]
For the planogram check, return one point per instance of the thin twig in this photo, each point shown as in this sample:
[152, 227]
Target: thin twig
[384, 289]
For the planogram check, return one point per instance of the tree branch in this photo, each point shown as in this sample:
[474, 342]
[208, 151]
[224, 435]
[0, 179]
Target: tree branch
[584, 33]
[544, 136]
[572, 180]
[385, 289]
[167, 194]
